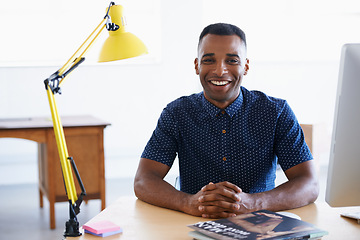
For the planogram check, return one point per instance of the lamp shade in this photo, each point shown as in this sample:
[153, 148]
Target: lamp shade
[120, 44]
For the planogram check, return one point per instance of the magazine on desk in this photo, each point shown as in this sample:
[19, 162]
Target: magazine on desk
[257, 225]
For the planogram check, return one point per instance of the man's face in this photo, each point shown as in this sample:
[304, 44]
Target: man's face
[221, 65]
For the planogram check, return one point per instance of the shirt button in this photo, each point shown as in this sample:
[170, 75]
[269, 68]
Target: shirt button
[224, 158]
[223, 131]
[222, 112]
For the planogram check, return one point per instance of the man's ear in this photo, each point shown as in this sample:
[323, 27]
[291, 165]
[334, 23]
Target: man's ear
[196, 63]
[246, 68]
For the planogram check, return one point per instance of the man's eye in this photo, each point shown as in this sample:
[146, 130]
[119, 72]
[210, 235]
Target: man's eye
[207, 61]
[233, 61]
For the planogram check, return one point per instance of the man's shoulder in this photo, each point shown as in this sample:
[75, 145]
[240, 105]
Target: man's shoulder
[185, 103]
[261, 99]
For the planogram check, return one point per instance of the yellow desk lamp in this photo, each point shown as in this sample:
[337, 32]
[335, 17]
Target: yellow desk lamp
[119, 45]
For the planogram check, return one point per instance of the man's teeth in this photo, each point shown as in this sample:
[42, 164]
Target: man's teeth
[220, 83]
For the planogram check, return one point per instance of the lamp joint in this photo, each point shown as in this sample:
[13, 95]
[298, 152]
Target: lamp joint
[53, 82]
[110, 26]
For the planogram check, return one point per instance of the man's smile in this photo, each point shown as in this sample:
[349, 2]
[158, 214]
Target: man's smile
[220, 82]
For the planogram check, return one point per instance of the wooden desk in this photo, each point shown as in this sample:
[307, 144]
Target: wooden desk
[84, 138]
[140, 220]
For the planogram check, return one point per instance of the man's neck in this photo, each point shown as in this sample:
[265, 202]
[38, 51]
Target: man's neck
[221, 104]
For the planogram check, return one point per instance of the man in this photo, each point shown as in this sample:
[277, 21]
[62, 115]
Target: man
[228, 140]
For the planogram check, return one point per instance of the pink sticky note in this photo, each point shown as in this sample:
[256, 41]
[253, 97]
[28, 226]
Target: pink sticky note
[101, 227]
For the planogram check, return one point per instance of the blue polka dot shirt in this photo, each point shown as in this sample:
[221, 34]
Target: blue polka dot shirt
[241, 144]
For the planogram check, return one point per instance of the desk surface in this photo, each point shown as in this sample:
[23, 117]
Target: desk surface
[46, 122]
[140, 220]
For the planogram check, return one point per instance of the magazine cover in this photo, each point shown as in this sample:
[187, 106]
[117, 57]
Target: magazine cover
[257, 225]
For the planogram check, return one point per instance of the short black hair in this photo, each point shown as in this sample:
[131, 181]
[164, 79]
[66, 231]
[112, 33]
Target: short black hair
[223, 29]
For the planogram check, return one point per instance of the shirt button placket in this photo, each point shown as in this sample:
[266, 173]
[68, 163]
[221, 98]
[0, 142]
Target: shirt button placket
[223, 131]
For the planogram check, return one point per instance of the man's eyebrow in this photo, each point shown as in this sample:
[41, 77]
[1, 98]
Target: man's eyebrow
[208, 55]
[213, 54]
[232, 55]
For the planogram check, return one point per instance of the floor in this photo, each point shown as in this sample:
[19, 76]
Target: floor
[20, 214]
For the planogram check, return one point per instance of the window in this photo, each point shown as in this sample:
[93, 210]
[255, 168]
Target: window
[289, 30]
[40, 33]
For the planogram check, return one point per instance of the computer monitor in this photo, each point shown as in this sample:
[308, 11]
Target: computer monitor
[343, 182]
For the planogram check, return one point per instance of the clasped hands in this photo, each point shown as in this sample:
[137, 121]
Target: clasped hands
[220, 200]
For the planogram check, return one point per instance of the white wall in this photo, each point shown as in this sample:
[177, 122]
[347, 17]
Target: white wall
[131, 96]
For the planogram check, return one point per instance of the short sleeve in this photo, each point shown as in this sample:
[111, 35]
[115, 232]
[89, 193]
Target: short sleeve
[290, 146]
[162, 146]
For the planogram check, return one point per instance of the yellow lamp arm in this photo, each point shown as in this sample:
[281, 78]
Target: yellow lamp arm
[57, 78]
[62, 149]
[52, 85]
[76, 57]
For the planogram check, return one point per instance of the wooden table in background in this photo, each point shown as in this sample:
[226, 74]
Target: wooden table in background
[85, 142]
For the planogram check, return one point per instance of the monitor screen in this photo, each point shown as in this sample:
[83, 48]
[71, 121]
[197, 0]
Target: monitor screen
[343, 183]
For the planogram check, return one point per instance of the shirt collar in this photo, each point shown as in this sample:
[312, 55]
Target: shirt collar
[230, 110]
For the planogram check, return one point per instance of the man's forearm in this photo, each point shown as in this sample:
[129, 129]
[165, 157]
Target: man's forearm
[300, 190]
[292, 194]
[160, 193]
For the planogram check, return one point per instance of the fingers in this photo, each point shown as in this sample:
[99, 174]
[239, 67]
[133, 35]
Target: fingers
[231, 187]
[219, 206]
[223, 191]
[211, 186]
[219, 196]
[219, 200]
[216, 200]
[213, 211]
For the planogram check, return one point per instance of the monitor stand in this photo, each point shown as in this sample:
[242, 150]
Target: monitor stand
[355, 215]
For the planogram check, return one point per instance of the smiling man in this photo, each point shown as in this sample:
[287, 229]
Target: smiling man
[221, 66]
[229, 141]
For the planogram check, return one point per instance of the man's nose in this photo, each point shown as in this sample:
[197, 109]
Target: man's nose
[220, 69]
